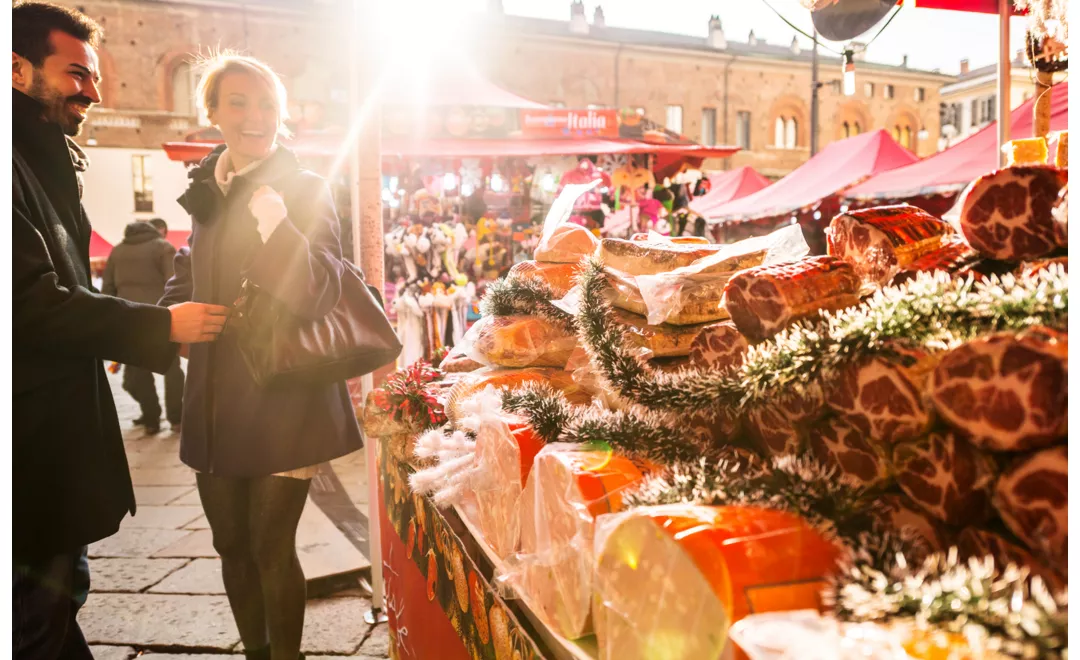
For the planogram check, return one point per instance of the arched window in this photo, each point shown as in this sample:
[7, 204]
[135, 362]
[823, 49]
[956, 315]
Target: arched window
[905, 137]
[778, 133]
[858, 129]
[847, 130]
[896, 133]
[791, 133]
[183, 89]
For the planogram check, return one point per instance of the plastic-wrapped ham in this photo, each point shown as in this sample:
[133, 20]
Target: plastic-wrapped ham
[1008, 214]
[1033, 500]
[946, 476]
[882, 396]
[839, 445]
[764, 300]
[951, 256]
[670, 580]
[1006, 391]
[567, 489]
[718, 346]
[883, 241]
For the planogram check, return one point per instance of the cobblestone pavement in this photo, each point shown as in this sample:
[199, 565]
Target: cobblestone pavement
[156, 589]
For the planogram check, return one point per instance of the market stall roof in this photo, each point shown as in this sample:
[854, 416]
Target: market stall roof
[99, 247]
[977, 6]
[837, 167]
[962, 163]
[728, 186]
[465, 148]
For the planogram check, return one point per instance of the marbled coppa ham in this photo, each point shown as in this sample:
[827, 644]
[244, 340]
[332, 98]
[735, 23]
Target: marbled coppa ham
[884, 240]
[1007, 214]
[951, 256]
[979, 543]
[764, 300]
[772, 431]
[837, 444]
[718, 346]
[903, 515]
[1033, 500]
[882, 396]
[1006, 391]
[946, 476]
[1061, 218]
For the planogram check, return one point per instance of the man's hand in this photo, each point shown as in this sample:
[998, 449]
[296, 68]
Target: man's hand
[194, 323]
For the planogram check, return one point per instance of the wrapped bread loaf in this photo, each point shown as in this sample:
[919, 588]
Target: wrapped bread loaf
[675, 240]
[772, 431]
[882, 396]
[764, 300]
[698, 302]
[567, 489]
[1033, 500]
[903, 515]
[979, 543]
[662, 340]
[1006, 391]
[670, 580]
[560, 277]
[946, 476]
[653, 258]
[520, 341]
[568, 244]
[1007, 214]
[510, 379]
[858, 461]
[882, 241]
[953, 255]
[457, 362]
[718, 346]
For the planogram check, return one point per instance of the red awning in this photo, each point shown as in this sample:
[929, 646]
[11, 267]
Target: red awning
[977, 6]
[729, 186]
[962, 163]
[837, 167]
[99, 247]
[178, 237]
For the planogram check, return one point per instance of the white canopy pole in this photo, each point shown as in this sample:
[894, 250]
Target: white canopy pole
[1004, 104]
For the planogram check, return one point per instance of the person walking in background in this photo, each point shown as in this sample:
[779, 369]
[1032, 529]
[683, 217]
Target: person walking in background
[256, 215]
[137, 270]
[70, 480]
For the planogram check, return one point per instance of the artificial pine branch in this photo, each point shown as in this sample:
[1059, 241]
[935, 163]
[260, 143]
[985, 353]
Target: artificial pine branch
[1002, 611]
[548, 411]
[528, 296]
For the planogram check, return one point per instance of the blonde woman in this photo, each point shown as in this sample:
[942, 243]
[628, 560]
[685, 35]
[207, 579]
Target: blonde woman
[257, 215]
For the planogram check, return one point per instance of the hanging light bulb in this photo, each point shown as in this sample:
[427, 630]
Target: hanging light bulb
[449, 181]
[849, 72]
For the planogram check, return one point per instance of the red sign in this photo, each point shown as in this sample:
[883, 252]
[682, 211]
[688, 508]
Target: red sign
[558, 122]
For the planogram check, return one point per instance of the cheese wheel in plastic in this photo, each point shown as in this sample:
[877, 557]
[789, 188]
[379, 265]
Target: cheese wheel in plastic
[670, 580]
[504, 454]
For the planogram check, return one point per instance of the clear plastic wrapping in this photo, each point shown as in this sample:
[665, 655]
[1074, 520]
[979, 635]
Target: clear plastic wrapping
[806, 635]
[508, 379]
[561, 242]
[670, 580]
[518, 341]
[558, 276]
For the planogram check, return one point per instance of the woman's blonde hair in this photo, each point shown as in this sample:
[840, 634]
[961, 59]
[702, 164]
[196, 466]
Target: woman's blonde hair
[216, 67]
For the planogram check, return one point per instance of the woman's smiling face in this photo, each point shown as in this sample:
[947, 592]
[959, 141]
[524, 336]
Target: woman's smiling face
[247, 115]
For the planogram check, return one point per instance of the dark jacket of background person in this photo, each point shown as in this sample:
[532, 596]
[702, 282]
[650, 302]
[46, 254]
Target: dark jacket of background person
[71, 482]
[139, 267]
[231, 426]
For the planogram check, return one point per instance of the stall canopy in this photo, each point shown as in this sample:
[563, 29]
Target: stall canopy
[977, 6]
[955, 167]
[99, 247]
[837, 167]
[728, 186]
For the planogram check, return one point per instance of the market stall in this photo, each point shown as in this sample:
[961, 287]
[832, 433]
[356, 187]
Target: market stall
[935, 182]
[810, 195]
[729, 186]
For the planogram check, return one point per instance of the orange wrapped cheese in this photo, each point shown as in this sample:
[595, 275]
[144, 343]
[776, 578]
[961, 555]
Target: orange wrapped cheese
[567, 489]
[670, 580]
[560, 277]
[505, 453]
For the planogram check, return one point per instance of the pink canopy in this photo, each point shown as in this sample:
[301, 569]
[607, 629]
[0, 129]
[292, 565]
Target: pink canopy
[962, 163]
[728, 186]
[832, 171]
[99, 247]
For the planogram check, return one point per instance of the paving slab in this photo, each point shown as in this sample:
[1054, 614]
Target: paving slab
[192, 656]
[165, 457]
[157, 495]
[174, 476]
[112, 652]
[201, 576]
[199, 523]
[191, 499]
[129, 574]
[162, 517]
[335, 626]
[203, 622]
[323, 550]
[136, 542]
[199, 543]
[378, 642]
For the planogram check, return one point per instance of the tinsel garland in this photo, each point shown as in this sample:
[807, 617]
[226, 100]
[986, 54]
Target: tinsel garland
[513, 296]
[932, 311]
[1001, 611]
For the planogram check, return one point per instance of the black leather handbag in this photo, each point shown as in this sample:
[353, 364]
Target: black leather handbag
[353, 339]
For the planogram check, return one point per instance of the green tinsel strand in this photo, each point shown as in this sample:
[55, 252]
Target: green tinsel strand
[548, 411]
[511, 296]
[640, 437]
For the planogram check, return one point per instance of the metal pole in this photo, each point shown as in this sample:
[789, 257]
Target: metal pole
[365, 179]
[814, 99]
[1004, 94]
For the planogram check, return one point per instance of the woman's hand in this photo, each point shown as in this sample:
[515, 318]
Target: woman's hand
[269, 210]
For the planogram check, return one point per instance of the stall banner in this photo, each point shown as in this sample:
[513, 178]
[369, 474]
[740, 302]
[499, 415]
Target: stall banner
[438, 603]
[566, 123]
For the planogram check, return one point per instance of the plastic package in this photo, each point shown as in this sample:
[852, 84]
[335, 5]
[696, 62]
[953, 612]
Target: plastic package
[806, 635]
[560, 277]
[508, 379]
[561, 242]
[670, 580]
[567, 489]
[518, 341]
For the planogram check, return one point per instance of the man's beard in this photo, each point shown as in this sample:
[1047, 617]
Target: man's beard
[56, 105]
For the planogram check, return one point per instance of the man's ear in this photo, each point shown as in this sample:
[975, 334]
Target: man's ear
[21, 72]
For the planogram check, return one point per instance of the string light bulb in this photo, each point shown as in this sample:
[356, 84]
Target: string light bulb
[849, 72]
